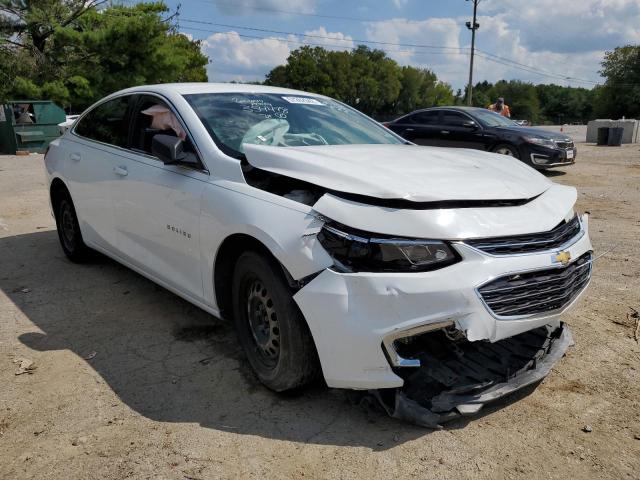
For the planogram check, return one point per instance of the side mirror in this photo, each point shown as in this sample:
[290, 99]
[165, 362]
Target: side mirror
[168, 148]
[469, 124]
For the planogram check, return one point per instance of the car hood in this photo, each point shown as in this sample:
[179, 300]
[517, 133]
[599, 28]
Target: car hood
[407, 172]
[537, 132]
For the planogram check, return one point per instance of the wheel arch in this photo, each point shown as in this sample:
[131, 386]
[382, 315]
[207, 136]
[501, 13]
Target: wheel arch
[225, 260]
[57, 190]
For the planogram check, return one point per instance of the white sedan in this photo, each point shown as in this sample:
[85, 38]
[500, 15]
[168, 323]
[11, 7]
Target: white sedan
[435, 278]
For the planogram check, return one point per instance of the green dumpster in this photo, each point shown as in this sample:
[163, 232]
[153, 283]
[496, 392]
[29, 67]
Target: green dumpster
[29, 125]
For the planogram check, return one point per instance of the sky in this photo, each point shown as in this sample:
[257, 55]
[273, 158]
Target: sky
[541, 41]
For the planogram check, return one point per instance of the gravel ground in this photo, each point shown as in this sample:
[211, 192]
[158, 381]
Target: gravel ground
[133, 382]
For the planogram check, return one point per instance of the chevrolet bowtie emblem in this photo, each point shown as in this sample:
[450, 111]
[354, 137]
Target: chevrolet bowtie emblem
[563, 257]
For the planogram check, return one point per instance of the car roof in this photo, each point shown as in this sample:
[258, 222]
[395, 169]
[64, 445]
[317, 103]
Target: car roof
[206, 87]
[461, 108]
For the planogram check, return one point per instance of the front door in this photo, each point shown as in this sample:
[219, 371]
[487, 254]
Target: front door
[157, 206]
[457, 131]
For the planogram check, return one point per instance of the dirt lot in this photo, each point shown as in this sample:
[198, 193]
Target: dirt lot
[133, 382]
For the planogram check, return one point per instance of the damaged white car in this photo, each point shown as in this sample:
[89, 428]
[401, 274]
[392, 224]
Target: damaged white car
[433, 278]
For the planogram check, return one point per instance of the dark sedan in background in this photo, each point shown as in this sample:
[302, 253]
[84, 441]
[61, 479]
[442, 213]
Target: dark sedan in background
[470, 127]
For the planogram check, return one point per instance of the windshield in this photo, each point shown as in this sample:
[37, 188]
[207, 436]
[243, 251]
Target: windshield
[283, 120]
[492, 119]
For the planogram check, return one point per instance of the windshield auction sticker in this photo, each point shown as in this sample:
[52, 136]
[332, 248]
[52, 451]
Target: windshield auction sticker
[303, 100]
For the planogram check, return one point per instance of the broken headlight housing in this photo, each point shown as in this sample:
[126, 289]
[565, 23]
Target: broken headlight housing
[356, 251]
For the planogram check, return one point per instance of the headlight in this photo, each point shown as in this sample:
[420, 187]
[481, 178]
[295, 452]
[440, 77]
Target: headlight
[355, 251]
[543, 142]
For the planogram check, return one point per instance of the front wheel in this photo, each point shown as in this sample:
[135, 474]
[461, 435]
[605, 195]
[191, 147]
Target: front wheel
[506, 149]
[270, 326]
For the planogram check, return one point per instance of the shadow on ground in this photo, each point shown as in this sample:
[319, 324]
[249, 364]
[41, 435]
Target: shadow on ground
[553, 173]
[168, 360]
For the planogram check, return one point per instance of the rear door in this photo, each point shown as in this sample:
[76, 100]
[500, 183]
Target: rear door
[157, 206]
[91, 155]
[422, 128]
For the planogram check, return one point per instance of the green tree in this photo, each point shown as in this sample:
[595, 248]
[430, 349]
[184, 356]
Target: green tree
[364, 78]
[74, 53]
[620, 94]
[560, 104]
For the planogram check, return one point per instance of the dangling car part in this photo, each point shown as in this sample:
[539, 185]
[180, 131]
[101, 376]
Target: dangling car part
[458, 378]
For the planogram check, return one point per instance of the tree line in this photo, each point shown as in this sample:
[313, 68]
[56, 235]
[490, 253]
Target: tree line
[378, 86]
[77, 51]
[364, 78]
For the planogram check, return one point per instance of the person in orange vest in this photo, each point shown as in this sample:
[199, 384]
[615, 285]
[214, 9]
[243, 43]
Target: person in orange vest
[501, 108]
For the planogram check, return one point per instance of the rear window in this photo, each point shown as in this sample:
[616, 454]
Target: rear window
[106, 123]
[284, 120]
[426, 118]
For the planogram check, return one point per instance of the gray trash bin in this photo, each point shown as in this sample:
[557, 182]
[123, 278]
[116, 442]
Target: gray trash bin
[615, 136]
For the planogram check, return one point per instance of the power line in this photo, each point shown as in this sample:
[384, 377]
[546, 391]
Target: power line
[455, 51]
[535, 69]
[280, 32]
[299, 42]
[445, 49]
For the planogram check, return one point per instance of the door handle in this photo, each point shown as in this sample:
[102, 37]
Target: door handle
[408, 129]
[75, 156]
[122, 171]
[445, 132]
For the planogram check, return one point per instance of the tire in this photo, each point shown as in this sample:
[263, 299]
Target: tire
[69, 230]
[270, 326]
[506, 149]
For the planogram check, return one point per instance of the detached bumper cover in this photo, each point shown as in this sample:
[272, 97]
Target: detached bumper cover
[474, 374]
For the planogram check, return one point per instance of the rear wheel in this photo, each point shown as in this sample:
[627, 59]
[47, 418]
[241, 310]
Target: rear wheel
[506, 149]
[270, 326]
[69, 230]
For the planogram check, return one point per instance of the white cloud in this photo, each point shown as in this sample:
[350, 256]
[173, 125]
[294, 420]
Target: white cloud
[497, 35]
[443, 32]
[330, 40]
[241, 7]
[571, 25]
[566, 37]
[234, 57]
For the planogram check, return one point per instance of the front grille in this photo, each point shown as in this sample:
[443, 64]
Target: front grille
[565, 145]
[529, 243]
[537, 292]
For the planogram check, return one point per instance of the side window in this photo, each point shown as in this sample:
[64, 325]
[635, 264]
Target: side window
[454, 119]
[106, 123]
[425, 118]
[151, 117]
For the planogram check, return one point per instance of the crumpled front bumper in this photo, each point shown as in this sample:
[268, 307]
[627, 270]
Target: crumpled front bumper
[424, 403]
[351, 315]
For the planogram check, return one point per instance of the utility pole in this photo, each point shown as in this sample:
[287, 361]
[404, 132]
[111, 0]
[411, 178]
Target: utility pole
[473, 27]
